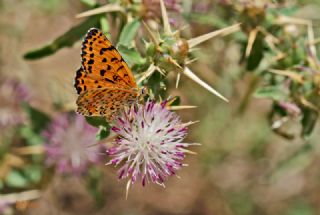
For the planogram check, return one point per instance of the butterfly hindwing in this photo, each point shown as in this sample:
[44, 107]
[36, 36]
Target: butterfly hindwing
[100, 58]
[104, 102]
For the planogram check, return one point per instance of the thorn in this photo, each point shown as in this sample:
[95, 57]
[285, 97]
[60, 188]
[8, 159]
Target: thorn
[127, 188]
[104, 9]
[174, 62]
[196, 79]
[29, 150]
[225, 31]
[165, 19]
[191, 61]
[294, 76]
[21, 196]
[181, 29]
[189, 123]
[151, 34]
[148, 73]
[181, 107]
[178, 79]
[189, 152]
[251, 39]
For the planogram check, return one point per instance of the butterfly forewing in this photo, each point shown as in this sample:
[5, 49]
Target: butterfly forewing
[100, 58]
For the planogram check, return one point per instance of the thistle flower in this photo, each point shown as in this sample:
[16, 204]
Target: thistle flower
[12, 94]
[71, 144]
[149, 144]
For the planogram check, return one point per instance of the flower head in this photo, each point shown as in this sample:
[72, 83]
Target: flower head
[71, 144]
[12, 94]
[149, 143]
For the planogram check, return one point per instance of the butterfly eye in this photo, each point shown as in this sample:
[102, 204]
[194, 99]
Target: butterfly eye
[144, 91]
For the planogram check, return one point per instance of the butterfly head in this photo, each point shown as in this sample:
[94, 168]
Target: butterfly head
[143, 91]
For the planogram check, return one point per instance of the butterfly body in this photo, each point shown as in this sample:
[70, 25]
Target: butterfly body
[104, 82]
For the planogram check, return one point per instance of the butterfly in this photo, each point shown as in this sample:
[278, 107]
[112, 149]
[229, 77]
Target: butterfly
[104, 82]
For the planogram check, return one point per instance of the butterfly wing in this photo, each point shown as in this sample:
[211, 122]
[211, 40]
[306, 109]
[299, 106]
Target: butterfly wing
[105, 83]
[84, 82]
[102, 61]
[104, 102]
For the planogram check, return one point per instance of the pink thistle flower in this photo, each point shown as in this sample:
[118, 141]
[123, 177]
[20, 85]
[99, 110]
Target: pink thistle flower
[71, 144]
[12, 95]
[149, 143]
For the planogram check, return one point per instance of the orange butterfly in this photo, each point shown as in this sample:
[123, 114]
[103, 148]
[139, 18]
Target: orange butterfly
[105, 83]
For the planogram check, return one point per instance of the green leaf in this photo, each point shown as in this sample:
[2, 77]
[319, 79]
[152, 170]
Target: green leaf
[97, 121]
[39, 120]
[16, 179]
[30, 136]
[65, 40]
[33, 173]
[103, 133]
[256, 53]
[130, 55]
[129, 32]
[104, 25]
[271, 92]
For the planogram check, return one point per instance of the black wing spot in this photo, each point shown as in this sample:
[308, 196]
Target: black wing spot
[91, 61]
[114, 59]
[111, 48]
[79, 90]
[102, 50]
[104, 60]
[102, 72]
[108, 80]
[83, 53]
[79, 74]
[91, 55]
[121, 67]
